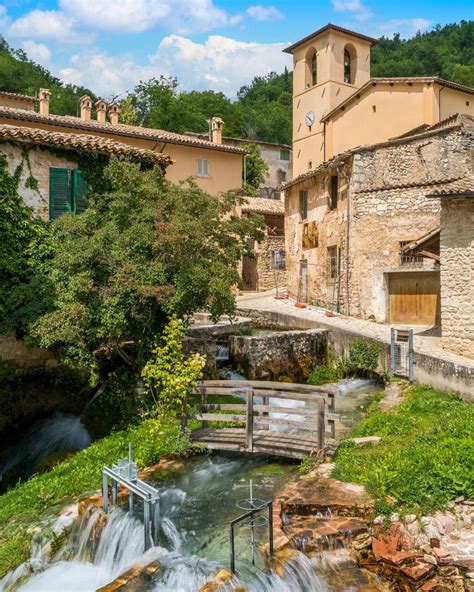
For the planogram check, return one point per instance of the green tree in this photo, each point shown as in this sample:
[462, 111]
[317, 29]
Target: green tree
[138, 254]
[255, 169]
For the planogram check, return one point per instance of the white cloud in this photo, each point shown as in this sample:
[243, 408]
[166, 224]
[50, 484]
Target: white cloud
[264, 13]
[219, 63]
[406, 27]
[4, 18]
[43, 24]
[131, 16]
[38, 52]
[357, 7]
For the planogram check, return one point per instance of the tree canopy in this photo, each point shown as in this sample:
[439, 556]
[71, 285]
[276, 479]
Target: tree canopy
[143, 251]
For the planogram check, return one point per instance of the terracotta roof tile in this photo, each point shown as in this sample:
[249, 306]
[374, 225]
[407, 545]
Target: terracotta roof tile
[291, 48]
[462, 187]
[42, 137]
[262, 205]
[11, 95]
[120, 129]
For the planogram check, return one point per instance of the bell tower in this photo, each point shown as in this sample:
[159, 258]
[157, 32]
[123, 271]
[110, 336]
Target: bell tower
[328, 66]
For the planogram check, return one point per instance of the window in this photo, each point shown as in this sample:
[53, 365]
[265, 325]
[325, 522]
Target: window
[284, 154]
[202, 167]
[304, 204]
[408, 259]
[67, 192]
[333, 190]
[347, 66]
[314, 68]
[332, 262]
[281, 175]
[278, 260]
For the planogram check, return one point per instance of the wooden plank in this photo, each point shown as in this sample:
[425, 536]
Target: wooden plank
[287, 386]
[218, 417]
[321, 429]
[249, 422]
[301, 425]
[287, 410]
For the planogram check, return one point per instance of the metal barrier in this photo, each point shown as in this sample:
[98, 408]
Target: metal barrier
[124, 473]
[254, 518]
[402, 355]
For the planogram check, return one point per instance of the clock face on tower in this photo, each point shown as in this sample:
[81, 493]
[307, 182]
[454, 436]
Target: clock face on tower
[309, 119]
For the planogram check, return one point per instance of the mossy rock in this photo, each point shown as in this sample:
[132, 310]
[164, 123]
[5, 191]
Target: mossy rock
[49, 462]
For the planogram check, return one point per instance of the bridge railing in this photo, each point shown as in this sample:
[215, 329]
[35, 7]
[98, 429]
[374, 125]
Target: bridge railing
[258, 408]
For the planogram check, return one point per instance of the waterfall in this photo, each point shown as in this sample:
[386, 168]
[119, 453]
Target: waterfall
[222, 352]
[58, 432]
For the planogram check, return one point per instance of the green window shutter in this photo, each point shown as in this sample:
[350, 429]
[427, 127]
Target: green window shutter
[59, 194]
[79, 191]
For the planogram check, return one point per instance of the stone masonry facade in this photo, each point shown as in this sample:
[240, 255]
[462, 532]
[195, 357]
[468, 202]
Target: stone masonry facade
[457, 275]
[35, 164]
[267, 276]
[381, 203]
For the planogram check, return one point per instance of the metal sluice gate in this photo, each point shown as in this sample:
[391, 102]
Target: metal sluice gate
[124, 473]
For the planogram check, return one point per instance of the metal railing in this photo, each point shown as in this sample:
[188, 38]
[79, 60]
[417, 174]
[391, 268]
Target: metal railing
[124, 473]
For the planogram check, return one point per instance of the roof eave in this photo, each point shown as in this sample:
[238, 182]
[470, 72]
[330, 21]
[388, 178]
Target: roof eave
[328, 27]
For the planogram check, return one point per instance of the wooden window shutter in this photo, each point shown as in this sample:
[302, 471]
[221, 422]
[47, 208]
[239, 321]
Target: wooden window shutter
[79, 191]
[59, 193]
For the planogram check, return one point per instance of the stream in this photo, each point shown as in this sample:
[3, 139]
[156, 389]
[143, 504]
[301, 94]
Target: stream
[197, 503]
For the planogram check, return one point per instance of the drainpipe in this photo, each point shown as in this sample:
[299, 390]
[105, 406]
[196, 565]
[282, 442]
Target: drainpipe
[324, 141]
[348, 211]
[245, 169]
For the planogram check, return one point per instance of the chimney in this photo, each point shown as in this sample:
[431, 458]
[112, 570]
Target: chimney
[101, 109]
[114, 112]
[216, 130]
[43, 97]
[85, 103]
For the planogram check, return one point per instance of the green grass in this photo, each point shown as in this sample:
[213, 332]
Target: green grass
[23, 506]
[426, 455]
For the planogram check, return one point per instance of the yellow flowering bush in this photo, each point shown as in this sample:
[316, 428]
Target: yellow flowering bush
[171, 375]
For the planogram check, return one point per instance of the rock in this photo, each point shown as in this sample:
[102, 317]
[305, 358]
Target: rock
[465, 562]
[132, 577]
[221, 581]
[362, 541]
[394, 517]
[410, 518]
[434, 586]
[365, 440]
[443, 556]
[418, 571]
[430, 559]
[378, 520]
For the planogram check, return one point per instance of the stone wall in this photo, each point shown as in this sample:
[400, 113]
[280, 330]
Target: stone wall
[381, 202]
[17, 358]
[35, 165]
[457, 275]
[265, 274]
[289, 355]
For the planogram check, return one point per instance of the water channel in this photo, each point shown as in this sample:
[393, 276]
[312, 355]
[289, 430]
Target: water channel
[197, 502]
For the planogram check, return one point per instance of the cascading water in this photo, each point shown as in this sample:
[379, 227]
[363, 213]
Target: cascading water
[196, 505]
[58, 432]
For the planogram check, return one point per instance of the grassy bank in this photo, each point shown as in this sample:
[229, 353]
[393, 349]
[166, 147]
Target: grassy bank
[21, 507]
[426, 454]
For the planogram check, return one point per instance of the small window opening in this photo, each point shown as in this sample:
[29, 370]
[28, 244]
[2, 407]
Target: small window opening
[314, 69]
[202, 167]
[310, 162]
[334, 188]
[332, 262]
[304, 204]
[406, 259]
[347, 67]
[374, 108]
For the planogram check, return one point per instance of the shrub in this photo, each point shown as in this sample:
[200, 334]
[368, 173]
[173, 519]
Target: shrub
[170, 376]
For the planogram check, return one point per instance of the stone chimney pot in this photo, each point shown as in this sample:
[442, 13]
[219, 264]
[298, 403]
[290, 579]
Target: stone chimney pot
[114, 112]
[216, 130]
[101, 109]
[43, 97]
[85, 103]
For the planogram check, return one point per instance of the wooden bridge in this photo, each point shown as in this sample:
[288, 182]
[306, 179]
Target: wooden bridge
[262, 424]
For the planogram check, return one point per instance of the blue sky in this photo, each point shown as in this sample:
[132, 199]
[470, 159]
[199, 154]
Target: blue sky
[109, 45]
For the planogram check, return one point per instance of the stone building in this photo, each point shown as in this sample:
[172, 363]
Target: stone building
[214, 166]
[50, 180]
[347, 223]
[267, 270]
[337, 105]
[279, 159]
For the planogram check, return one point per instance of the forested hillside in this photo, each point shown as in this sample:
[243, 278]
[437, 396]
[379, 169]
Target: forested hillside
[20, 75]
[262, 109]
